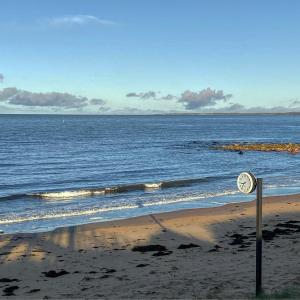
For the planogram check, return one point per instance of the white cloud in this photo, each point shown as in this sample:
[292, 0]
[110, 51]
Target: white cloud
[78, 20]
[150, 95]
[14, 96]
[134, 111]
[97, 101]
[145, 96]
[206, 97]
[295, 102]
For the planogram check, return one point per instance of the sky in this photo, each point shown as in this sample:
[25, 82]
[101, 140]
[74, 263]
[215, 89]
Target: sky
[145, 57]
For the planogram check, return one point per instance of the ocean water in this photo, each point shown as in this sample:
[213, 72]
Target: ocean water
[65, 170]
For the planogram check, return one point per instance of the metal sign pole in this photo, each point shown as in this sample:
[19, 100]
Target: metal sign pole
[259, 237]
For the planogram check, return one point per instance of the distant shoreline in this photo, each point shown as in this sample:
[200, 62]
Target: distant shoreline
[162, 114]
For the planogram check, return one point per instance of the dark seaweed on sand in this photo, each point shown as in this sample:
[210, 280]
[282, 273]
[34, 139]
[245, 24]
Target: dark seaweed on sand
[149, 248]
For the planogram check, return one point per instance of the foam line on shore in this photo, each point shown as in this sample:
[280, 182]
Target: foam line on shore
[74, 213]
[190, 198]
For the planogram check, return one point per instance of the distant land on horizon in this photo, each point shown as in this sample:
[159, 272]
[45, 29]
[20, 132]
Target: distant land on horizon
[158, 114]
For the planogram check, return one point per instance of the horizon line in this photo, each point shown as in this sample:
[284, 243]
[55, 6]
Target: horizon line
[156, 114]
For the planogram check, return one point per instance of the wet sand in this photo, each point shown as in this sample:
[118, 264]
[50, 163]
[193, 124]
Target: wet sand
[197, 253]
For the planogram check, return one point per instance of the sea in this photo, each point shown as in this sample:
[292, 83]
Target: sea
[64, 170]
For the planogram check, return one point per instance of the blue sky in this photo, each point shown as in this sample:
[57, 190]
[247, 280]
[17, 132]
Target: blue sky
[130, 55]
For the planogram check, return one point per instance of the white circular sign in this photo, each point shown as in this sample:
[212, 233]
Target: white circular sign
[246, 182]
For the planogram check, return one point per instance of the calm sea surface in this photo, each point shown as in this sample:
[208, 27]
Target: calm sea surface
[66, 170]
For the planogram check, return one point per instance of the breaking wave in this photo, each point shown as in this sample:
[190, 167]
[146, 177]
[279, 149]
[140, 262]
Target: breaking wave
[72, 213]
[14, 218]
[90, 192]
[190, 198]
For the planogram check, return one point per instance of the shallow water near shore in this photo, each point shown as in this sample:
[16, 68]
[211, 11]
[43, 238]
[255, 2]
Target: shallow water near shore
[65, 170]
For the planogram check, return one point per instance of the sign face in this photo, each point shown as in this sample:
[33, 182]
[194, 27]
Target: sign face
[246, 182]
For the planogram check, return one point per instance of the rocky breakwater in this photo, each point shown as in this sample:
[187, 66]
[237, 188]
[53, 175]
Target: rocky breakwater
[266, 147]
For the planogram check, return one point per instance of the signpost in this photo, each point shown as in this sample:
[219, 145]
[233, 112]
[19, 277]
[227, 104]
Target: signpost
[259, 237]
[247, 183]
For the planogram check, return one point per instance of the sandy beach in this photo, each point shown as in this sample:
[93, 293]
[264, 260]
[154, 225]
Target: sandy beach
[197, 253]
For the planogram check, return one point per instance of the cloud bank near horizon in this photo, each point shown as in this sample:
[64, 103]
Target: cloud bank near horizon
[207, 100]
[204, 101]
[191, 100]
[239, 108]
[14, 96]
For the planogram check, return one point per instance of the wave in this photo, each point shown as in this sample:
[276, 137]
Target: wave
[73, 213]
[90, 192]
[191, 198]
[66, 194]
[151, 186]
[13, 218]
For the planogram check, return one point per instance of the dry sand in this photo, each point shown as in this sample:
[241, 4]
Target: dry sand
[209, 253]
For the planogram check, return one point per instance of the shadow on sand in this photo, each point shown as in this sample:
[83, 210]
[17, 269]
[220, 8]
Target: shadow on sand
[210, 254]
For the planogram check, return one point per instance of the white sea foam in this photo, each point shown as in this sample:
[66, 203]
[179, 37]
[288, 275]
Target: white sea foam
[65, 194]
[111, 189]
[101, 192]
[153, 185]
[71, 194]
[54, 215]
[190, 198]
